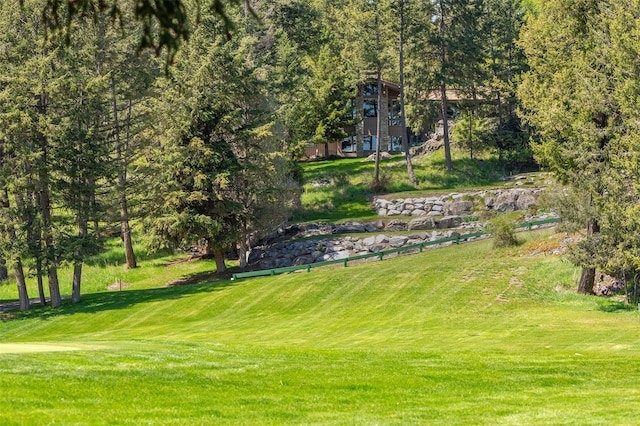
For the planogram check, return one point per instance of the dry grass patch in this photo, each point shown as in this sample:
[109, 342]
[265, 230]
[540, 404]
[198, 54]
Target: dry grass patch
[19, 348]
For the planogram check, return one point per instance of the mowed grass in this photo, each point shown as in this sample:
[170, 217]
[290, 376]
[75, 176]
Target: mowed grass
[460, 335]
[346, 197]
[106, 269]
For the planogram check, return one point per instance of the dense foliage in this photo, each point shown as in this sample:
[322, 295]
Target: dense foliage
[582, 95]
[97, 134]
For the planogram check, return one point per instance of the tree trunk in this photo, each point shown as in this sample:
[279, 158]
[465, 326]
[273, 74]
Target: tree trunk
[244, 246]
[405, 133]
[244, 253]
[4, 272]
[587, 278]
[25, 304]
[130, 255]
[445, 126]
[45, 205]
[10, 234]
[36, 244]
[472, 120]
[376, 172]
[77, 266]
[43, 299]
[77, 280]
[49, 248]
[121, 161]
[443, 90]
[219, 256]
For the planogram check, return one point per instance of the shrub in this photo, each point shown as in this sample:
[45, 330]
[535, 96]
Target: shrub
[384, 180]
[504, 232]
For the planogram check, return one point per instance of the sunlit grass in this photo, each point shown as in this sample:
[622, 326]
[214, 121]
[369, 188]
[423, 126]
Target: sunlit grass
[348, 193]
[107, 269]
[461, 335]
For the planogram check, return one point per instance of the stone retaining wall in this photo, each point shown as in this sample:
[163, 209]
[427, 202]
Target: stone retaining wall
[457, 204]
[304, 252]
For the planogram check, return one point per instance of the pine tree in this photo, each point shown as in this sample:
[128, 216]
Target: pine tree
[572, 95]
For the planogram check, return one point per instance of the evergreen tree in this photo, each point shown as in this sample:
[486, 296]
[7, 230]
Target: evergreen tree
[28, 119]
[581, 95]
[209, 182]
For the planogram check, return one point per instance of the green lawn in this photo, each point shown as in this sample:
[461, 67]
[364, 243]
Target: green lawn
[106, 269]
[346, 197]
[461, 335]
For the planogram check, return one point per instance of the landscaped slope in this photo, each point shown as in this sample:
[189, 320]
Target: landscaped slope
[458, 335]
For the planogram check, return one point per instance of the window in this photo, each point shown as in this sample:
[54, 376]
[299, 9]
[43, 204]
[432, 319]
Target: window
[369, 143]
[370, 90]
[395, 143]
[349, 144]
[395, 113]
[370, 108]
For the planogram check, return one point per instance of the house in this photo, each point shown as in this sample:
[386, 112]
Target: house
[362, 140]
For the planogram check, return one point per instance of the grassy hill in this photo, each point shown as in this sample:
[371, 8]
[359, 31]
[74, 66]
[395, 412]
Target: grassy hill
[432, 338]
[343, 196]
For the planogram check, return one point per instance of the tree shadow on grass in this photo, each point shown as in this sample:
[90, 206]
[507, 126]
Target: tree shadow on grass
[109, 255]
[108, 301]
[607, 305]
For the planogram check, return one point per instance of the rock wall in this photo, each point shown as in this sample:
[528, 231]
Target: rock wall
[286, 247]
[456, 204]
[304, 252]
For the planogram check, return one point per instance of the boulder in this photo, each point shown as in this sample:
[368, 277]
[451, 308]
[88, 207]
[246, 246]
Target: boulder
[398, 241]
[370, 228]
[369, 241]
[449, 222]
[345, 228]
[458, 208]
[303, 260]
[383, 156]
[381, 238]
[376, 248]
[382, 203]
[255, 255]
[396, 225]
[338, 255]
[506, 202]
[490, 201]
[267, 264]
[421, 223]
[418, 236]
[525, 201]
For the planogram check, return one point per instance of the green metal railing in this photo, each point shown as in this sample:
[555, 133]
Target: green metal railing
[380, 254]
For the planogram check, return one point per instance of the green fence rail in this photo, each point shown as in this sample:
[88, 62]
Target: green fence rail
[381, 254]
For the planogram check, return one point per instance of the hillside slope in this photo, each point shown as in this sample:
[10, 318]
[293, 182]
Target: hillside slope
[429, 338]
